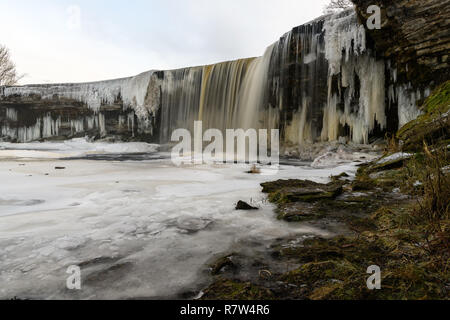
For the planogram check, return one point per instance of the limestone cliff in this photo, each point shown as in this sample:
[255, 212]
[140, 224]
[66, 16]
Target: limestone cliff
[415, 36]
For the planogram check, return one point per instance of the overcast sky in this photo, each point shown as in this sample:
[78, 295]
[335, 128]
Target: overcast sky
[74, 41]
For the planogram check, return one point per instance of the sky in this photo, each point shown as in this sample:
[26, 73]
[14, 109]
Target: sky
[57, 41]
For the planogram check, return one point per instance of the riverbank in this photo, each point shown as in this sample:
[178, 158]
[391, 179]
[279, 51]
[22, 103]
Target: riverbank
[397, 209]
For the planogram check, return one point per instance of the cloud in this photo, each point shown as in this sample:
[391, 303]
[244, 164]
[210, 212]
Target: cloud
[74, 17]
[59, 41]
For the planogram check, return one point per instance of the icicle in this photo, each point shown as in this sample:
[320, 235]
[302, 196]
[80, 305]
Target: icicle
[343, 35]
[28, 134]
[407, 104]
[102, 124]
[11, 114]
[133, 92]
[50, 127]
[77, 126]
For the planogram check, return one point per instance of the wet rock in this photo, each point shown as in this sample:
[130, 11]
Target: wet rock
[363, 185]
[221, 264]
[296, 212]
[254, 170]
[395, 161]
[241, 205]
[288, 191]
[342, 177]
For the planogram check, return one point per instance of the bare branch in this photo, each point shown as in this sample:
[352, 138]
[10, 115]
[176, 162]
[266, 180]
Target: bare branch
[8, 72]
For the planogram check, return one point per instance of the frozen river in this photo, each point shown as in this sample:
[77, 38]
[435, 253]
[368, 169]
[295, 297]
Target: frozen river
[137, 229]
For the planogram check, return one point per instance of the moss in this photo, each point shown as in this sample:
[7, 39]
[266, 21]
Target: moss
[342, 177]
[222, 263]
[323, 293]
[363, 184]
[406, 236]
[297, 216]
[223, 289]
[312, 272]
[439, 101]
[290, 191]
[342, 209]
[432, 126]
[336, 268]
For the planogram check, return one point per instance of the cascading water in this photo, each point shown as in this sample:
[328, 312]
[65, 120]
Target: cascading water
[224, 96]
[319, 82]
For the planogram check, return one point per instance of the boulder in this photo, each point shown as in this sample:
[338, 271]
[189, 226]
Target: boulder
[288, 191]
[241, 205]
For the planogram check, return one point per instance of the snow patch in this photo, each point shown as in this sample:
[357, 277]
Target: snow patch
[394, 157]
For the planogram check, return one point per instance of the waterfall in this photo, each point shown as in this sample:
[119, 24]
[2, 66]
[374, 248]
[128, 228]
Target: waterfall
[320, 82]
[224, 96]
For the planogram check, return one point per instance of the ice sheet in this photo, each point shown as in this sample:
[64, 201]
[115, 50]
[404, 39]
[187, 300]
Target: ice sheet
[136, 229]
[71, 148]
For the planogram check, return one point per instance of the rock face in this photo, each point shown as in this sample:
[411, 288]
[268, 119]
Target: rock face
[32, 118]
[97, 109]
[414, 36]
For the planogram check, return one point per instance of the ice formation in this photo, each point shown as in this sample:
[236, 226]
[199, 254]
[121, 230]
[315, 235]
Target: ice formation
[83, 216]
[394, 157]
[133, 92]
[48, 127]
[78, 147]
[407, 103]
[348, 58]
[319, 82]
[344, 38]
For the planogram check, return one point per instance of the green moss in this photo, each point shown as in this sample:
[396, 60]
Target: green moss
[432, 126]
[290, 191]
[438, 102]
[221, 263]
[223, 289]
[363, 184]
[407, 237]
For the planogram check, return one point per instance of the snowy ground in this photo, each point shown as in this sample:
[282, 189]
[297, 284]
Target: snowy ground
[137, 229]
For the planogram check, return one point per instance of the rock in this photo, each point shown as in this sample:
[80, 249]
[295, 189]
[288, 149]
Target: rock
[241, 205]
[418, 40]
[342, 177]
[297, 212]
[363, 185]
[60, 168]
[254, 170]
[222, 263]
[287, 191]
